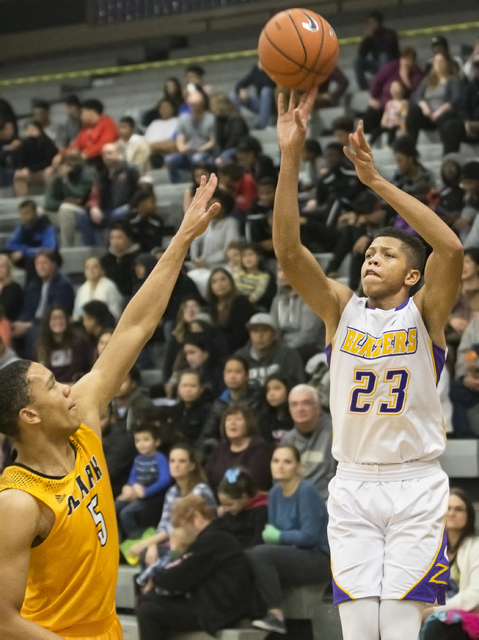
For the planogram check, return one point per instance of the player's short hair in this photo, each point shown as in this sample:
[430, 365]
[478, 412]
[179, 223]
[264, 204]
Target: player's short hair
[15, 394]
[184, 510]
[412, 246]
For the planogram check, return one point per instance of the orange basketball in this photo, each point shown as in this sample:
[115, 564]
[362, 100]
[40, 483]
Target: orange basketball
[298, 49]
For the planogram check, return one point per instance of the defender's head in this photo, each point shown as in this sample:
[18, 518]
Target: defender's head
[394, 261]
[31, 399]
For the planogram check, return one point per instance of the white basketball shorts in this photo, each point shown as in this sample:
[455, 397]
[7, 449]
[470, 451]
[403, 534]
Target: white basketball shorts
[386, 532]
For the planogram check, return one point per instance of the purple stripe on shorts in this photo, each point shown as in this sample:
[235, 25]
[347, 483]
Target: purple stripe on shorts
[328, 351]
[439, 355]
[432, 587]
[339, 596]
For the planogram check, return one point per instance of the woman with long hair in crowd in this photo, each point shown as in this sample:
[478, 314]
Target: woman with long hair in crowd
[98, 287]
[11, 293]
[274, 418]
[60, 348]
[189, 478]
[296, 550]
[458, 619]
[435, 102]
[229, 310]
[242, 446]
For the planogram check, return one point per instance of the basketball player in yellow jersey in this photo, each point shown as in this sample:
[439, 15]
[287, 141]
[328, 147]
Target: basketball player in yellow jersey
[58, 534]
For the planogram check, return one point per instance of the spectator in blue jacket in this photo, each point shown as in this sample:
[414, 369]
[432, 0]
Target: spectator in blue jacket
[36, 232]
[142, 497]
[47, 288]
[296, 550]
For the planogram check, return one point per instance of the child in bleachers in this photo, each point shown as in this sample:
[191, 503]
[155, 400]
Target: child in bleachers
[244, 509]
[233, 255]
[141, 499]
[394, 116]
[254, 282]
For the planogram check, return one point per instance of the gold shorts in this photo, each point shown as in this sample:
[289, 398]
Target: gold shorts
[115, 632]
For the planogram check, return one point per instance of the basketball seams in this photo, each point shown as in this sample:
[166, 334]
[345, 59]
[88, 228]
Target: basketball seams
[281, 52]
[322, 42]
[300, 38]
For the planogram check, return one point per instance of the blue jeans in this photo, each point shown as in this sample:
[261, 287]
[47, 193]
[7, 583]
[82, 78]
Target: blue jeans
[262, 105]
[92, 234]
[368, 65]
[136, 516]
[177, 162]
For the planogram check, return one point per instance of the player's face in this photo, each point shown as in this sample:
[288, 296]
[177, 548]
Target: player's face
[51, 400]
[180, 464]
[456, 518]
[384, 269]
[234, 375]
[232, 505]
[276, 393]
[304, 409]
[145, 443]
[283, 465]
[189, 388]
[235, 426]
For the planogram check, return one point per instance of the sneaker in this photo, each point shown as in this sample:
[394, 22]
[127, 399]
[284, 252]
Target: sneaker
[270, 623]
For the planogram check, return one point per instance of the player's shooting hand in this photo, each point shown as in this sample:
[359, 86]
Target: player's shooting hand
[198, 215]
[361, 156]
[293, 122]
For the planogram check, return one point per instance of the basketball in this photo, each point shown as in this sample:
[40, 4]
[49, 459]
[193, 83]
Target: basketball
[298, 49]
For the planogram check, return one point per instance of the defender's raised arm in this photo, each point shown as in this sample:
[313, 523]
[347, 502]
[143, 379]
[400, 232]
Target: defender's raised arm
[144, 312]
[325, 296]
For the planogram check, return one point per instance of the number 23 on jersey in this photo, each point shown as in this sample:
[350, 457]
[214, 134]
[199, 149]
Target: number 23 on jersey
[362, 399]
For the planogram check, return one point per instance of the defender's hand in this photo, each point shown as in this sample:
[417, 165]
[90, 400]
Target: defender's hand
[362, 158]
[197, 216]
[292, 124]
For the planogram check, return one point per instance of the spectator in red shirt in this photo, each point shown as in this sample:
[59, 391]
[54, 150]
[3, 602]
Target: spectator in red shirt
[97, 131]
[241, 185]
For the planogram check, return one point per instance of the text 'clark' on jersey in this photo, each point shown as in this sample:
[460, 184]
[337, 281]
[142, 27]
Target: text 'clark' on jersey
[384, 401]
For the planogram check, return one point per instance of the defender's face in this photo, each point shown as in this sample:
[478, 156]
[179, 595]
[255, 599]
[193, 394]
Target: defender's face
[52, 400]
[384, 267]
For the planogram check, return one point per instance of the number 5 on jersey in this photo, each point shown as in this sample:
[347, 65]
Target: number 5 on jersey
[362, 395]
[98, 519]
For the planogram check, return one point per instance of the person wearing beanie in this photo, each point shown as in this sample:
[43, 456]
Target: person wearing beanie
[265, 352]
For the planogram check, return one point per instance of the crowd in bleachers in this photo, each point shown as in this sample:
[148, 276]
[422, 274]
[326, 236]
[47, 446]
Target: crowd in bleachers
[195, 427]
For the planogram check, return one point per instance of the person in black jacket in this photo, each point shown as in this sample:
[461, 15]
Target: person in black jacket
[249, 155]
[11, 293]
[145, 222]
[119, 450]
[212, 579]
[230, 126]
[262, 103]
[122, 252]
[34, 155]
[193, 407]
[379, 46]
[244, 509]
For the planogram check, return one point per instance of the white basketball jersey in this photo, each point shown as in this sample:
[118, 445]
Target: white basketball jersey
[384, 402]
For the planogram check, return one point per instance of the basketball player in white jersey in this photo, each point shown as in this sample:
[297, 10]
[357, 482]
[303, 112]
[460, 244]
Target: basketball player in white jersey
[389, 498]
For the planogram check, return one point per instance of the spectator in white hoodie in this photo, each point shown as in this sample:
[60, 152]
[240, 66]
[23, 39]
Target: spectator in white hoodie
[98, 287]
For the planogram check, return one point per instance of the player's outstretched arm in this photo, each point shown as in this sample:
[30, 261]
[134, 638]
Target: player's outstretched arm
[325, 296]
[144, 312]
[444, 266]
[21, 523]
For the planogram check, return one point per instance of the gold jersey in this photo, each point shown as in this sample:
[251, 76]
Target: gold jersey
[73, 573]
